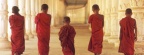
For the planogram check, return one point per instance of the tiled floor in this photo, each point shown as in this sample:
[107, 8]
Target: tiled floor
[81, 44]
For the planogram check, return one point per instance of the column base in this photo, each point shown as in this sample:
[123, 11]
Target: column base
[31, 36]
[106, 37]
[26, 37]
[139, 47]
[34, 34]
[4, 43]
[114, 40]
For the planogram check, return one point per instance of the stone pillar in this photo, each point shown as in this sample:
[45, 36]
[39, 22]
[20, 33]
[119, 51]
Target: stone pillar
[33, 13]
[114, 22]
[39, 2]
[21, 5]
[138, 13]
[100, 6]
[28, 18]
[36, 7]
[4, 43]
[103, 7]
[11, 3]
[107, 20]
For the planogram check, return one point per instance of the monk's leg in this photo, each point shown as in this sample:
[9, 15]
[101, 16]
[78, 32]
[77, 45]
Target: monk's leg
[97, 54]
[128, 54]
[13, 53]
[43, 46]
[66, 51]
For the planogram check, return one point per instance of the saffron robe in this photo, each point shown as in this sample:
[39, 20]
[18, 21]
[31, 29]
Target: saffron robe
[66, 36]
[17, 30]
[127, 35]
[97, 23]
[42, 21]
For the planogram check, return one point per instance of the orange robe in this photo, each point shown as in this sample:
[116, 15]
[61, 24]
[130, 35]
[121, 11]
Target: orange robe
[66, 36]
[42, 21]
[17, 37]
[127, 25]
[97, 23]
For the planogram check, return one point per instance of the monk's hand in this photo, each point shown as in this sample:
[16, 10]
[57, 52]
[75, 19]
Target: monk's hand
[135, 39]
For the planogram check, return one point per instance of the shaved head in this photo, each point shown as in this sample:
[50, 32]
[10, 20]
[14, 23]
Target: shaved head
[128, 11]
[15, 9]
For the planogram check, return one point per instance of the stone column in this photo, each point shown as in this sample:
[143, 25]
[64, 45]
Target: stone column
[21, 5]
[114, 22]
[103, 13]
[103, 7]
[138, 13]
[33, 13]
[36, 7]
[100, 6]
[107, 20]
[11, 3]
[28, 18]
[4, 43]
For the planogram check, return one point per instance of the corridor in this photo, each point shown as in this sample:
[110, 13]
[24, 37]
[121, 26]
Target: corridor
[81, 44]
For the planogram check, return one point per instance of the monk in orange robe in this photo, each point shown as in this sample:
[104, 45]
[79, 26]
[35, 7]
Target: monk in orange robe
[96, 21]
[128, 33]
[42, 21]
[17, 28]
[66, 37]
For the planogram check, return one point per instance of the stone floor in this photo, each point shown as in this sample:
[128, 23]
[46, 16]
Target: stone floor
[81, 44]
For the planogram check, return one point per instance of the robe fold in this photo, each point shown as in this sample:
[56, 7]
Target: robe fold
[42, 22]
[17, 37]
[66, 37]
[127, 35]
[97, 23]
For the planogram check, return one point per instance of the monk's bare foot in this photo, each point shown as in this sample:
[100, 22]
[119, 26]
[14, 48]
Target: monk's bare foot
[97, 54]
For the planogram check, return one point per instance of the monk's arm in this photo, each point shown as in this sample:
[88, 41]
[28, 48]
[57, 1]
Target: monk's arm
[103, 20]
[73, 33]
[120, 37]
[135, 31]
[24, 25]
[50, 19]
[63, 36]
[11, 21]
[36, 19]
[90, 19]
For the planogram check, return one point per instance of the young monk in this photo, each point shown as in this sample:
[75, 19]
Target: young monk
[66, 36]
[42, 21]
[128, 33]
[96, 21]
[17, 28]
